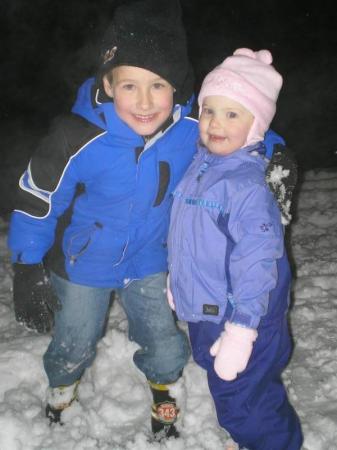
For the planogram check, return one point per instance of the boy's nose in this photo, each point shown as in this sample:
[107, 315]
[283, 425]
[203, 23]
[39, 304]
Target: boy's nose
[144, 99]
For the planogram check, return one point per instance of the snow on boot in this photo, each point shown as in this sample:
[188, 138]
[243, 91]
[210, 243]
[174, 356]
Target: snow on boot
[58, 399]
[164, 412]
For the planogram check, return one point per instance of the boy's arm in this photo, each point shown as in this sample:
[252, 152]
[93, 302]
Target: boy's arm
[281, 176]
[281, 173]
[45, 190]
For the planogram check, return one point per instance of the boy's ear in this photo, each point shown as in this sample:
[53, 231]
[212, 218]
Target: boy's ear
[107, 87]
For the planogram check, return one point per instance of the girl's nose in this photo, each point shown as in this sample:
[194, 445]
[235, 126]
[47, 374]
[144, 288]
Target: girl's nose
[214, 123]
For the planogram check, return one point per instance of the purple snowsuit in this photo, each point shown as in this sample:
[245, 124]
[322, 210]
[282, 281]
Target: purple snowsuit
[227, 261]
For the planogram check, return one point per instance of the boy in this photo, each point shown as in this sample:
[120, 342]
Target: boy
[94, 207]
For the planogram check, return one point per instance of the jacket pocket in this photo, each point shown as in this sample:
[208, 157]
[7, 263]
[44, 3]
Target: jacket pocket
[80, 242]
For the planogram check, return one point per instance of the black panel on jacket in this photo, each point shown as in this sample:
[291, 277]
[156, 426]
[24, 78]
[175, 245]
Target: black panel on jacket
[55, 259]
[67, 135]
[164, 179]
[138, 151]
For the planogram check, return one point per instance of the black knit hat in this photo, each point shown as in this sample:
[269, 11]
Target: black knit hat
[149, 34]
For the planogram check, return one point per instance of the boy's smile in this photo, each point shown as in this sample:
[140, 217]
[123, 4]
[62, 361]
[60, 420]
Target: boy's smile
[145, 118]
[142, 98]
[224, 124]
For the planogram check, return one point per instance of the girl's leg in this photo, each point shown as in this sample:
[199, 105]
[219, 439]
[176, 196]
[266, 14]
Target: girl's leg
[78, 327]
[254, 408]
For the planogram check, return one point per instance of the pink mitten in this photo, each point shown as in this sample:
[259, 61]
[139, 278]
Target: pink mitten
[232, 350]
[169, 294]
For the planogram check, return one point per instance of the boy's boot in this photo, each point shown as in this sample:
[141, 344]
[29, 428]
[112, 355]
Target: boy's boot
[58, 399]
[164, 412]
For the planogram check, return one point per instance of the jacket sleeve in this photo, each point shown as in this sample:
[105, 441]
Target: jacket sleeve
[46, 189]
[257, 244]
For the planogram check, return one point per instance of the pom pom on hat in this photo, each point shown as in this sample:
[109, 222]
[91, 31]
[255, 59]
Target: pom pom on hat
[248, 78]
[263, 55]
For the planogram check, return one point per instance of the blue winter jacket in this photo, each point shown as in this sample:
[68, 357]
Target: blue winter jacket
[226, 240]
[96, 197]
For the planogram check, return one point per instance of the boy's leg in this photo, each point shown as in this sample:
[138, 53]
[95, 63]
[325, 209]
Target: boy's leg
[78, 327]
[164, 347]
[254, 408]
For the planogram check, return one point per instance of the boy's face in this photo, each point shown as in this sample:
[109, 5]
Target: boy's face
[142, 99]
[224, 124]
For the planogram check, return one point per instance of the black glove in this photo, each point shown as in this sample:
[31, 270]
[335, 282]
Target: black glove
[34, 299]
[281, 177]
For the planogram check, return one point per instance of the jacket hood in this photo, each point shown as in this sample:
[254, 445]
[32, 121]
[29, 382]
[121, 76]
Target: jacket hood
[263, 148]
[87, 106]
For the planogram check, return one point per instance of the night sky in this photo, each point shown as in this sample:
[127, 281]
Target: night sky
[49, 47]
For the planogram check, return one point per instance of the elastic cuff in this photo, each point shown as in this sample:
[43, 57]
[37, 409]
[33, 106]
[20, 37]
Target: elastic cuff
[158, 387]
[26, 257]
[243, 319]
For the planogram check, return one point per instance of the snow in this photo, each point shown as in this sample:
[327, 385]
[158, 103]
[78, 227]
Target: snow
[114, 401]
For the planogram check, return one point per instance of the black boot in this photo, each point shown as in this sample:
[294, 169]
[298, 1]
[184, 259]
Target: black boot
[164, 412]
[58, 399]
[53, 415]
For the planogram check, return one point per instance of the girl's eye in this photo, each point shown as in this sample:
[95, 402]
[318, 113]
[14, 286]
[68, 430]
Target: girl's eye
[207, 111]
[232, 115]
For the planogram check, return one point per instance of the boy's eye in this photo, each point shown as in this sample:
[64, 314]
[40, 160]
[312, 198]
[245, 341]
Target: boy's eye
[232, 115]
[128, 86]
[158, 85]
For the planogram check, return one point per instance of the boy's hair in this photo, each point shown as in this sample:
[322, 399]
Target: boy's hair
[248, 78]
[149, 34]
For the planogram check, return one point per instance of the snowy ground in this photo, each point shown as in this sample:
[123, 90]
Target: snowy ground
[114, 401]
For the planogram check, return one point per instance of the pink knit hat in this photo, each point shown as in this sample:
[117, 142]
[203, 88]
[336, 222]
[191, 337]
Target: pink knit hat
[249, 78]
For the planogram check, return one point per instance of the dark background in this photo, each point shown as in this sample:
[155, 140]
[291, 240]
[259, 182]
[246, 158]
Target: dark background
[49, 47]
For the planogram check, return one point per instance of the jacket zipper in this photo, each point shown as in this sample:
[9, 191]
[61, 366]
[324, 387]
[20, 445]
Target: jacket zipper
[181, 215]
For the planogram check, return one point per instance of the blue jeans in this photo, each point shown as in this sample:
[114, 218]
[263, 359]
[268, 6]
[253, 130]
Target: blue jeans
[80, 324]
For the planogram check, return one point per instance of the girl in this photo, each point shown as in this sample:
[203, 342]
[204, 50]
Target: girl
[228, 268]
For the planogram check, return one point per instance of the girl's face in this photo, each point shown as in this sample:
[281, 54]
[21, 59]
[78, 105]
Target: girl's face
[142, 98]
[224, 124]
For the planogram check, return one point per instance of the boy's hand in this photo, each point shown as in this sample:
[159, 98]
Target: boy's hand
[281, 176]
[170, 298]
[34, 298]
[232, 350]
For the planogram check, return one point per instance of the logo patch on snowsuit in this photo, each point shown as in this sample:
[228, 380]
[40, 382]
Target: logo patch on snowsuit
[210, 310]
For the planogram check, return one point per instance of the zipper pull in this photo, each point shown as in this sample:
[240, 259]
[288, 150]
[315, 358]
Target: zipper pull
[204, 166]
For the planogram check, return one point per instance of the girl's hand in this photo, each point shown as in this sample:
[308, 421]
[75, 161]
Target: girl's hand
[232, 350]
